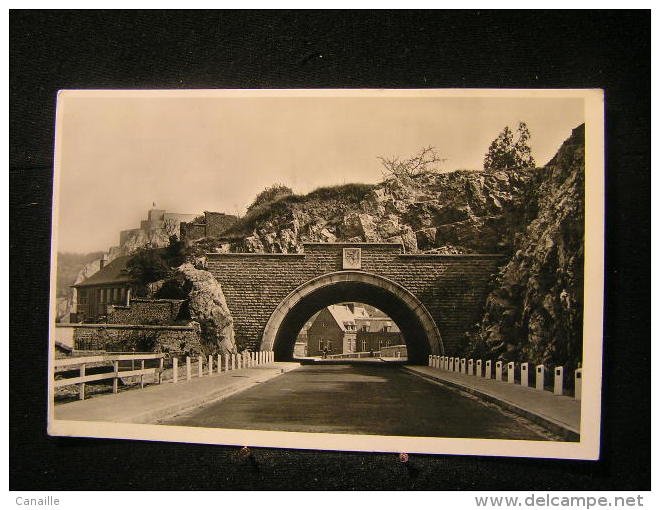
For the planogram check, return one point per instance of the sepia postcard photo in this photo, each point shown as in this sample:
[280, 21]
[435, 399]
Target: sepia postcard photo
[413, 271]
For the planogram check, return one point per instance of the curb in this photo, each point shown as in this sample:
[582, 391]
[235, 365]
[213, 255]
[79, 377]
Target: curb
[562, 430]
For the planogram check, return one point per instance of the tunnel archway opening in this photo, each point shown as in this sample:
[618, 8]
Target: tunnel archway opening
[418, 330]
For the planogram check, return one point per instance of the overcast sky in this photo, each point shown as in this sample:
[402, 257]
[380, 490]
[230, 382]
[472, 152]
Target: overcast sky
[118, 155]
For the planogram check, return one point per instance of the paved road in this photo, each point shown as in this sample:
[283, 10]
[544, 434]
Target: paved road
[359, 399]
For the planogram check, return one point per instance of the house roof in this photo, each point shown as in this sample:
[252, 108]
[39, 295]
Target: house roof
[342, 315]
[360, 312]
[113, 272]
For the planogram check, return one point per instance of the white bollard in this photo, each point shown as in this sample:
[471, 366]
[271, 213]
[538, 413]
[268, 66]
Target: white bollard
[233, 361]
[451, 364]
[443, 362]
[188, 368]
[511, 372]
[463, 366]
[540, 377]
[430, 360]
[457, 364]
[210, 364]
[498, 371]
[489, 371]
[200, 366]
[578, 384]
[436, 364]
[470, 367]
[219, 363]
[479, 373]
[559, 381]
[524, 374]
[175, 370]
[227, 362]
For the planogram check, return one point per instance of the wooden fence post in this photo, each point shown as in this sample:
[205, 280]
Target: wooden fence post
[219, 363]
[141, 375]
[161, 365]
[188, 369]
[115, 380]
[175, 370]
[200, 366]
[210, 364]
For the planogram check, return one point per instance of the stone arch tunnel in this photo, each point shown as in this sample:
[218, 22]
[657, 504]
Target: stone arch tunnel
[434, 299]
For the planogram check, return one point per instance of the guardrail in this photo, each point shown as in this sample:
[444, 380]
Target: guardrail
[115, 375]
[190, 366]
[506, 373]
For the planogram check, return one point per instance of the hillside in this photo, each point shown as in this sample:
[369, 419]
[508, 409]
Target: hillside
[456, 212]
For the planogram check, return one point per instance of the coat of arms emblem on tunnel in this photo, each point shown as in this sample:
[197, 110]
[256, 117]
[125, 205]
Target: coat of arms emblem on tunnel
[352, 258]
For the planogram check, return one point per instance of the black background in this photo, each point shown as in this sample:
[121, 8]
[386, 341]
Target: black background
[51, 50]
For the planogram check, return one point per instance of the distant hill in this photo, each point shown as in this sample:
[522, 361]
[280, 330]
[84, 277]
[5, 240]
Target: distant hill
[68, 267]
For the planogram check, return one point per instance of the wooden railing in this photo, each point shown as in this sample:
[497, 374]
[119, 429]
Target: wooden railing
[82, 363]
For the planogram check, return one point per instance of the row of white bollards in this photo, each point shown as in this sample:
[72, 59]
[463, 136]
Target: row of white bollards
[485, 370]
[235, 361]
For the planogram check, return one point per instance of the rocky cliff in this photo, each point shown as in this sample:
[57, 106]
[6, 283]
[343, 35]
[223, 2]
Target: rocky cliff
[456, 212]
[534, 312]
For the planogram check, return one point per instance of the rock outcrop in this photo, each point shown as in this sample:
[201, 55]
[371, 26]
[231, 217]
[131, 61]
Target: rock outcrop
[534, 312]
[456, 212]
[207, 306]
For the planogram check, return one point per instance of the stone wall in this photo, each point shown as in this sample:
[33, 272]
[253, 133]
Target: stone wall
[377, 340]
[217, 223]
[214, 225]
[452, 287]
[125, 337]
[192, 231]
[146, 311]
[394, 351]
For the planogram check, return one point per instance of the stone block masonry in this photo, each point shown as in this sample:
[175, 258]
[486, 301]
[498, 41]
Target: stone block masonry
[116, 337]
[146, 311]
[453, 288]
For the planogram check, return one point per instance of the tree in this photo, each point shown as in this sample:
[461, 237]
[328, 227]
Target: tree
[270, 194]
[425, 161]
[148, 266]
[505, 153]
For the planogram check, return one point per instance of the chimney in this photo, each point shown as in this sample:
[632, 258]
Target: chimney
[102, 261]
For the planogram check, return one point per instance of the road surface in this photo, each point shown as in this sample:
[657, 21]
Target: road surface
[360, 399]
